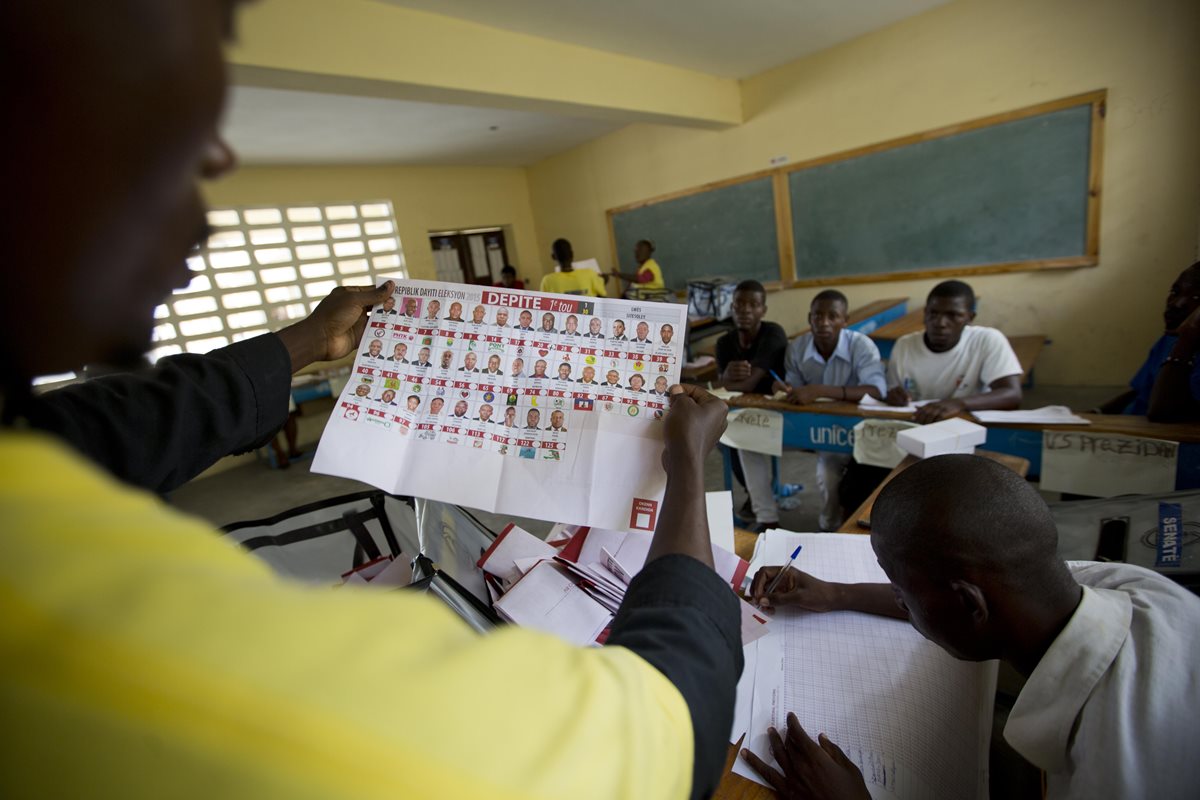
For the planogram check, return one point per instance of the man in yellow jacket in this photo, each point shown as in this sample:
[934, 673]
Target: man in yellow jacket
[143, 655]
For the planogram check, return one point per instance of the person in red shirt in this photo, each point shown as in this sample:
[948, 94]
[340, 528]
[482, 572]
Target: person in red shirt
[508, 278]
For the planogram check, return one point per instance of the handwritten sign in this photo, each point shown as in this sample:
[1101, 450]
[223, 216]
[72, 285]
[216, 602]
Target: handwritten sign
[875, 442]
[756, 430]
[1107, 465]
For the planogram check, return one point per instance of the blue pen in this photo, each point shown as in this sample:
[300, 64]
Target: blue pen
[775, 583]
[776, 377]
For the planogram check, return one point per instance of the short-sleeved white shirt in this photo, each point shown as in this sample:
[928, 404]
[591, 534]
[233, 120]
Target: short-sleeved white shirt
[982, 355]
[1111, 710]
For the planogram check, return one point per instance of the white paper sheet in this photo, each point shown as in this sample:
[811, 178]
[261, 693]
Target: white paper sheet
[1046, 415]
[745, 693]
[869, 403]
[435, 424]
[755, 429]
[547, 600]
[719, 506]
[1106, 465]
[915, 720]
[514, 544]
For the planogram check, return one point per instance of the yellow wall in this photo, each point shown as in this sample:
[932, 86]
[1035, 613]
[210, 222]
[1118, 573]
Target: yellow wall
[965, 60]
[425, 199]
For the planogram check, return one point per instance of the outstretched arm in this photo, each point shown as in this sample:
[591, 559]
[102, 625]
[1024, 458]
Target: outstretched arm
[802, 590]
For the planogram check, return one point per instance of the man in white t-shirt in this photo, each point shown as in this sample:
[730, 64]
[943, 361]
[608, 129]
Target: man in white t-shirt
[962, 367]
[1108, 650]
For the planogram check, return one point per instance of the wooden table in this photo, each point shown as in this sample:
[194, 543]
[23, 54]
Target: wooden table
[829, 426]
[860, 520]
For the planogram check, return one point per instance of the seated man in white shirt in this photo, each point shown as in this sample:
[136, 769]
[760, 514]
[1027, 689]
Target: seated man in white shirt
[962, 367]
[1107, 649]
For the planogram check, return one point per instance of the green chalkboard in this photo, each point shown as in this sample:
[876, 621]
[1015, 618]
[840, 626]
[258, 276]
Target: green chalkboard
[1010, 192]
[727, 231]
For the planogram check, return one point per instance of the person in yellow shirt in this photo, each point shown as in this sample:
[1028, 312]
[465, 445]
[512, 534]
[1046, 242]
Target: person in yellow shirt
[649, 273]
[146, 656]
[569, 280]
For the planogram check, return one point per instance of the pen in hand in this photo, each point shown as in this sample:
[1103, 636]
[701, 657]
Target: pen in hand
[779, 577]
[780, 380]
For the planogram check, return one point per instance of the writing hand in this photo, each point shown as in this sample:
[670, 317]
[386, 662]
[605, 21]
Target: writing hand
[898, 396]
[809, 769]
[942, 409]
[795, 589]
[803, 395]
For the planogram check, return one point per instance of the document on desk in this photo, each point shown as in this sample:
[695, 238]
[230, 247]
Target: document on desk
[540, 405]
[1046, 415]
[869, 403]
[914, 719]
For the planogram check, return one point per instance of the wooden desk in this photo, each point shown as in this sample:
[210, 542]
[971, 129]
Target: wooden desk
[860, 520]
[885, 336]
[1027, 349]
[829, 426]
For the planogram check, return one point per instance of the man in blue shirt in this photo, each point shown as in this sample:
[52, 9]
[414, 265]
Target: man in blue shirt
[1167, 387]
[828, 362]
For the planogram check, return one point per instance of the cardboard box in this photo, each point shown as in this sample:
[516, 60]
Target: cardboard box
[940, 438]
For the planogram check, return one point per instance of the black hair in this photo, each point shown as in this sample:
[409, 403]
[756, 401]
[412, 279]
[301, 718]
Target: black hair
[750, 286]
[560, 248]
[509, 269]
[954, 290]
[648, 243]
[830, 294]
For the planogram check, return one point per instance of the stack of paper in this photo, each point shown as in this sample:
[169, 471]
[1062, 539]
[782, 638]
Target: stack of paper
[1046, 415]
[574, 592]
[916, 721]
[869, 403]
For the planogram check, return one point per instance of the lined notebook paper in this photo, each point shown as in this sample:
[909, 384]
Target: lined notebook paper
[915, 720]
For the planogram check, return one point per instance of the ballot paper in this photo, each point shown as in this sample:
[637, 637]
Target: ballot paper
[916, 721]
[1046, 415]
[511, 549]
[524, 403]
[548, 600]
[869, 403]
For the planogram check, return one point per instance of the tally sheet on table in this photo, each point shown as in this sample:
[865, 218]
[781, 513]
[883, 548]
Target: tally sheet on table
[914, 719]
[1046, 415]
[524, 403]
[869, 403]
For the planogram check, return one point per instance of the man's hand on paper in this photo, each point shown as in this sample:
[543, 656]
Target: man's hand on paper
[898, 396]
[942, 409]
[335, 326]
[809, 769]
[795, 589]
[693, 425]
[803, 395]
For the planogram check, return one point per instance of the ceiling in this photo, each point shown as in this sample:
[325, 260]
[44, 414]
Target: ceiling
[276, 126]
[726, 38]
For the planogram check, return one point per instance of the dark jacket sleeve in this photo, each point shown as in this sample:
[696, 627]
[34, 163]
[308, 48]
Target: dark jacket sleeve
[159, 427]
[682, 618]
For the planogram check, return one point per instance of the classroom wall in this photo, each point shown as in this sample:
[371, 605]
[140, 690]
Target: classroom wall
[424, 198]
[968, 59]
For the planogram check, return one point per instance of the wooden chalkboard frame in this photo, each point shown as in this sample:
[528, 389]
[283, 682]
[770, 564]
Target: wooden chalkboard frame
[783, 213]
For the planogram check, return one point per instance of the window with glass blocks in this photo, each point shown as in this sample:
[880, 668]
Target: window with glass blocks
[265, 267]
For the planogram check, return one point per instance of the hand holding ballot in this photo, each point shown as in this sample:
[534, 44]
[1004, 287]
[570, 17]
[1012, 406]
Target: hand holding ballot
[335, 326]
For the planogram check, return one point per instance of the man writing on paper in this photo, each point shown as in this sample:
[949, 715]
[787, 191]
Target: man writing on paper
[1167, 387]
[829, 362]
[129, 652]
[962, 367]
[1105, 648]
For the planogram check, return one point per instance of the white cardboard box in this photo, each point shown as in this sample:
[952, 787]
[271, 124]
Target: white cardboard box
[940, 438]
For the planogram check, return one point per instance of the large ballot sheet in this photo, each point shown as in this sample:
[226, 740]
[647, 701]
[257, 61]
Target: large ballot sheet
[539, 405]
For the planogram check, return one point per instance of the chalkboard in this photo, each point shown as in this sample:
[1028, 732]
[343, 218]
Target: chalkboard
[1009, 193]
[728, 230]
